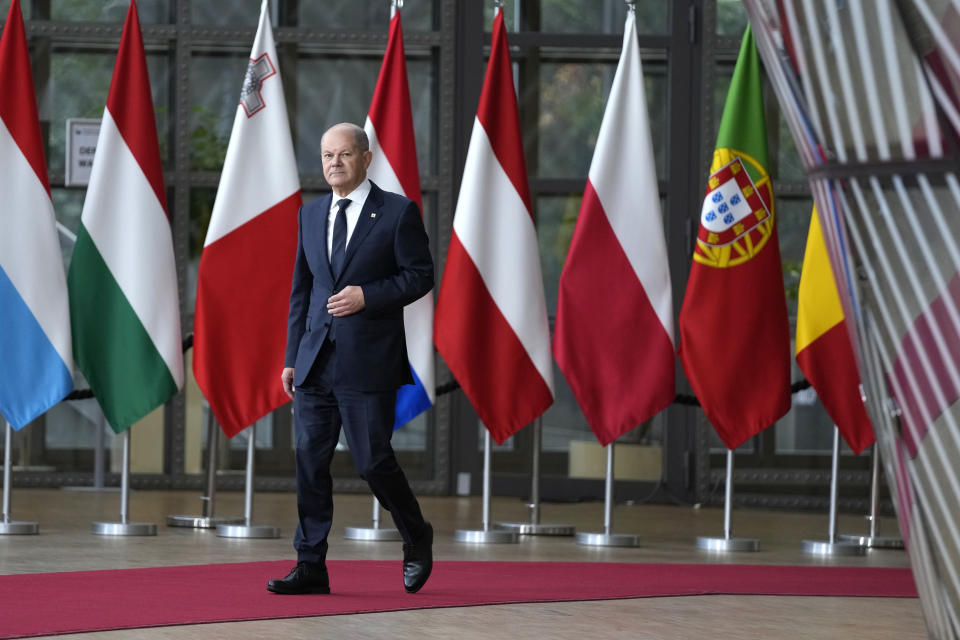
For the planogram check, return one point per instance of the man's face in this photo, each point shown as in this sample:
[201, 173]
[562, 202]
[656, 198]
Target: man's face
[344, 166]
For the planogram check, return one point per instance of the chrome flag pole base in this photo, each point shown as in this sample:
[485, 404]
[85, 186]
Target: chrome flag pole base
[201, 522]
[825, 548]
[371, 534]
[19, 528]
[608, 539]
[124, 529]
[247, 531]
[873, 542]
[725, 545]
[531, 529]
[488, 536]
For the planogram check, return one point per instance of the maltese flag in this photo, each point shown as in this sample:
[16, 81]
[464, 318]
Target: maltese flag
[243, 285]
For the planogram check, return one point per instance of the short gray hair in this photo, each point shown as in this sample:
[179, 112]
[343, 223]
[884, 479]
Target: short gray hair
[360, 138]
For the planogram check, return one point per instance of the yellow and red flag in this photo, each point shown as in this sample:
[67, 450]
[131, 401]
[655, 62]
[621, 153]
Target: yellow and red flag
[735, 336]
[824, 352]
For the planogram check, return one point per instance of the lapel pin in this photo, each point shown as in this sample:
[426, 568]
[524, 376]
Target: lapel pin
[373, 215]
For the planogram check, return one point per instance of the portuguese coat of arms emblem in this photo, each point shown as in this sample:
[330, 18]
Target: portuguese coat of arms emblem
[737, 216]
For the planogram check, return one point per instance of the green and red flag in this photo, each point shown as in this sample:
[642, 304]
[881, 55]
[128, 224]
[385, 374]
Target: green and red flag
[735, 336]
[124, 303]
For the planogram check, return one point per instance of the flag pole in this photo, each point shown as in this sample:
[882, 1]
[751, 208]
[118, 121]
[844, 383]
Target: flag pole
[207, 519]
[873, 540]
[608, 538]
[535, 527]
[833, 547]
[485, 535]
[374, 533]
[248, 529]
[728, 542]
[125, 527]
[9, 526]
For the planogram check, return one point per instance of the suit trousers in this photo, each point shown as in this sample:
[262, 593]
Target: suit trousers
[320, 409]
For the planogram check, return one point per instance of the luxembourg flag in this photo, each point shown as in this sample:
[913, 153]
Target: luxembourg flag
[124, 305]
[389, 127]
[243, 285]
[614, 333]
[35, 352]
[491, 325]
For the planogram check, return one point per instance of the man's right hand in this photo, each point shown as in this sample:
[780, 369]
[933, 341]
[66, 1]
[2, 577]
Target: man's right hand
[286, 377]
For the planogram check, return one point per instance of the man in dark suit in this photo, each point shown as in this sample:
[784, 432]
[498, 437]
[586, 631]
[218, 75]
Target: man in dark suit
[362, 254]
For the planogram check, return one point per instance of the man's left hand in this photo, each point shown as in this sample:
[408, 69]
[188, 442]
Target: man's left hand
[347, 302]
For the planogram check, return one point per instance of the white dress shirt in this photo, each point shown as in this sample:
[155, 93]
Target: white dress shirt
[357, 198]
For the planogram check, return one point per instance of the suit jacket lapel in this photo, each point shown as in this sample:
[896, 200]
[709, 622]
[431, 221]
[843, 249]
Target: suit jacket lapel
[369, 216]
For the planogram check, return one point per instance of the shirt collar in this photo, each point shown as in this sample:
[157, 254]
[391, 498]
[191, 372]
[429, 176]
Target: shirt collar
[358, 195]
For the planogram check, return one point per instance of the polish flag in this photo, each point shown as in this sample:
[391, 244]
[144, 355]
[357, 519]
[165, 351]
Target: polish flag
[389, 127]
[614, 332]
[243, 285]
[35, 368]
[124, 304]
[491, 325]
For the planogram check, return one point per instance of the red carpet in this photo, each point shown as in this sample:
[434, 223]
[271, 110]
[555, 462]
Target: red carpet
[49, 603]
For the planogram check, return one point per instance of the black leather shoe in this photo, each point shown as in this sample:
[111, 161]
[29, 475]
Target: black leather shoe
[418, 561]
[304, 578]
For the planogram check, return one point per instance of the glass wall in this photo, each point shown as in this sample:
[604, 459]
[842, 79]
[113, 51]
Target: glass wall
[565, 54]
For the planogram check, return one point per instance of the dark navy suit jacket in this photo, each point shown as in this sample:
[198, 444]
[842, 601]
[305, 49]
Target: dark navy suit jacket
[388, 256]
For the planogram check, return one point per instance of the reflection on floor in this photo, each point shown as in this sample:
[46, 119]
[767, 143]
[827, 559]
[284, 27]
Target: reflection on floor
[667, 534]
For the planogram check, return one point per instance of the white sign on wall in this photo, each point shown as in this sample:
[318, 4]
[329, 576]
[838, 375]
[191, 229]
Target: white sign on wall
[82, 136]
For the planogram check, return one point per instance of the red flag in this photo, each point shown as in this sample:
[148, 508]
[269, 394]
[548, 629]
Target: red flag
[734, 332]
[243, 285]
[389, 127]
[614, 333]
[491, 318]
[824, 352]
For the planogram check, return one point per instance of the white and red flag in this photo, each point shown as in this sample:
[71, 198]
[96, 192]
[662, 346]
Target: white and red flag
[614, 332]
[389, 127]
[124, 305]
[36, 360]
[491, 318]
[243, 285]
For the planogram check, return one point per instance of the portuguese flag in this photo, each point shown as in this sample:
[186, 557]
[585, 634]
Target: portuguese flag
[124, 305]
[734, 332]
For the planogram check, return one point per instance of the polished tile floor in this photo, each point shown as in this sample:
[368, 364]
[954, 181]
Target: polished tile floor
[667, 534]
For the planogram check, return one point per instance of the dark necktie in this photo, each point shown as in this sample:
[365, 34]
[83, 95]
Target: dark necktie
[339, 248]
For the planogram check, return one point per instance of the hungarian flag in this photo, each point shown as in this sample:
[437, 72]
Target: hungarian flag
[614, 332]
[824, 351]
[389, 127]
[734, 332]
[491, 325]
[122, 280]
[243, 285]
[35, 352]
